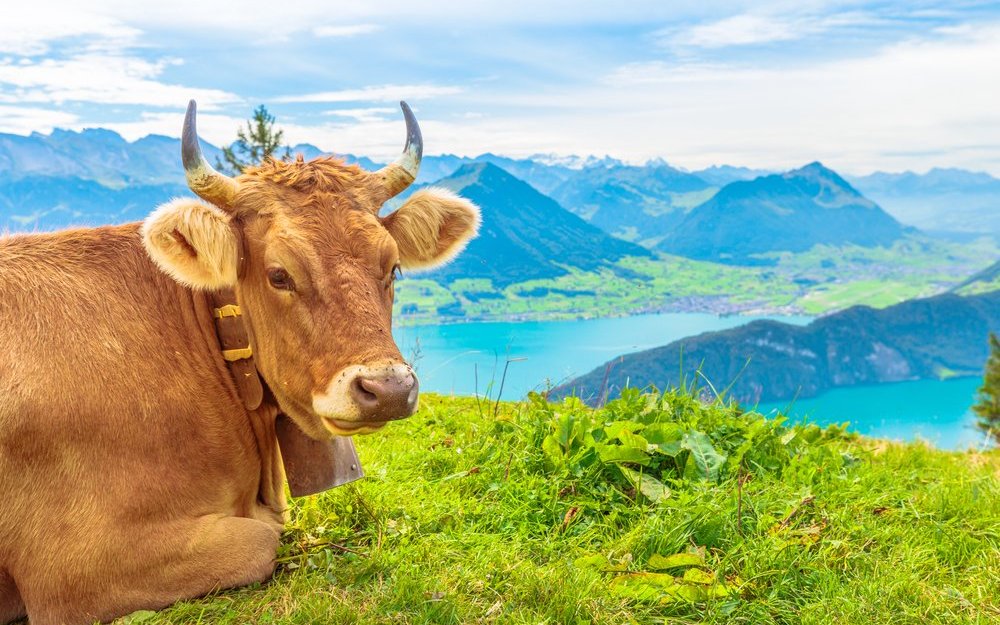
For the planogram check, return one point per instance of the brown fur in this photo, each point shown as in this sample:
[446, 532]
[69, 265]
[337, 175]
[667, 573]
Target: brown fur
[131, 476]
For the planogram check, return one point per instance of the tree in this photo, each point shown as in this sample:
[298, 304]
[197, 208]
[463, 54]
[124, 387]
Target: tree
[988, 407]
[259, 140]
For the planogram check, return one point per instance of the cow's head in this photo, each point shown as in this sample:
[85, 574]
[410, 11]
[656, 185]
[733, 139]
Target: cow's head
[313, 267]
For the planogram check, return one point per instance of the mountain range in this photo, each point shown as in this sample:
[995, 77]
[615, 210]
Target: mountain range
[94, 154]
[525, 235]
[723, 213]
[635, 203]
[932, 338]
[789, 212]
[942, 200]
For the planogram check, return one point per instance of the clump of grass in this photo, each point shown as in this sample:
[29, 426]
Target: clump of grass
[656, 508]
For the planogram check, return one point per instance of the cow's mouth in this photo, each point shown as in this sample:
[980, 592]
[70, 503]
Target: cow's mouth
[350, 428]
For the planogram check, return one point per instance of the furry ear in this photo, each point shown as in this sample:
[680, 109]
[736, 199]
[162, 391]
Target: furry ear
[432, 227]
[193, 243]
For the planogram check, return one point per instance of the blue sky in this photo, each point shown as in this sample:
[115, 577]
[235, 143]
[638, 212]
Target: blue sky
[861, 86]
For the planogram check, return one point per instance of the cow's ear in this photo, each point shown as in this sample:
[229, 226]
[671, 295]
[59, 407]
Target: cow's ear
[432, 227]
[193, 243]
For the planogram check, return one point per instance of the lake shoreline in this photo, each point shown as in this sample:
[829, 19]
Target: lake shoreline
[707, 306]
[936, 411]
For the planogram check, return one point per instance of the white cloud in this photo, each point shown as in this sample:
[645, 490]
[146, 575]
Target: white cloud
[737, 30]
[266, 20]
[918, 103]
[374, 113]
[382, 93]
[345, 30]
[750, 29]
[215, 128]
[383, 139]
[28, 28]
[99, 78]
[930, 100]
[25, 120]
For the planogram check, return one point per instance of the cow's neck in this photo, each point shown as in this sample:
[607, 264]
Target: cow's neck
[225, 321]
[310, 466]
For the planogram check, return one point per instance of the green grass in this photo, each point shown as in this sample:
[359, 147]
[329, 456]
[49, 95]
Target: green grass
[874, 293]
[537, 513]
[821, 280]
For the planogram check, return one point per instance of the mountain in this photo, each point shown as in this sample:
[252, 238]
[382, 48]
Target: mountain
[94, 154]
[545, 175]
[721, 175]
[525, 235]
[943, 200]
[782, 212]
[929, 338]
[35, 203]
[636, 203]
[982, 282]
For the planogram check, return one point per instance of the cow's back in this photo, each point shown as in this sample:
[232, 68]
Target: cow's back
[112, 407]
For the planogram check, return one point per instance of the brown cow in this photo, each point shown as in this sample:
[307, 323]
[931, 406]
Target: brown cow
[135, 470]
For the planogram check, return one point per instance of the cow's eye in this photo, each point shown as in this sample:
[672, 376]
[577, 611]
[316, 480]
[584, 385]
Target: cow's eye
[280, 279]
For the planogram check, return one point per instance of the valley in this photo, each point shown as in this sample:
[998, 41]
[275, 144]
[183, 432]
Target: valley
[820, 281]
[571, 238]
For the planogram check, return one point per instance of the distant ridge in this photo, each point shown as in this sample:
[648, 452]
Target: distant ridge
[986, 280]
[721, 175]
[637, 203]
[782, 212]
[930, 338]
[94, 154]
[525, 235]
[941, 200]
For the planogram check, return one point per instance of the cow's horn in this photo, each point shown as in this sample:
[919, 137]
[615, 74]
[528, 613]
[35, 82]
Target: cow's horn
[400, 174]
[209, 184]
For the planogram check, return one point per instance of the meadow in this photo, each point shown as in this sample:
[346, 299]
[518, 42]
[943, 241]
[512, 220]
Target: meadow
[656, 508]
[822, 280]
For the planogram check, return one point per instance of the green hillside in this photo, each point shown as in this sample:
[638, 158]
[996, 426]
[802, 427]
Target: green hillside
[932, 338]
[651, 510]
[824, 279]
[525, 235]
[640, 204]
[983, 282]
[790, 212]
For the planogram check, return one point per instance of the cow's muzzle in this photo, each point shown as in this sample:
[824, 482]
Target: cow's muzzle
[363, 398]
[384, 397]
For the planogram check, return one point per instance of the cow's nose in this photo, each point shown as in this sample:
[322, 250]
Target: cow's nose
[385, 397]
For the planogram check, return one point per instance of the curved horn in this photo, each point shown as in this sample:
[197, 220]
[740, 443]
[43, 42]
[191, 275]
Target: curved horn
[209, 184]
[400, 174]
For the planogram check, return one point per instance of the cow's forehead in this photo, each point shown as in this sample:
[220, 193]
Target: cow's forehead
[320, 174]
[327, 228]
[296, 188]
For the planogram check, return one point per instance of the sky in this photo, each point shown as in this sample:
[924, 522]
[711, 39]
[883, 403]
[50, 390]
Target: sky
[860, 86]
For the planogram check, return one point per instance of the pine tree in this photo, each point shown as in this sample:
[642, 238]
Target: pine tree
[988, 407]
[259, 140]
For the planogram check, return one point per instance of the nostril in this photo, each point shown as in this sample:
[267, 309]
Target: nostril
[365, 391]
[385, 397]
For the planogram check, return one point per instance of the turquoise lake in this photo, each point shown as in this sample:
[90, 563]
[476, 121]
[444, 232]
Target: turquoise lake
[939, 412]
[463, 359]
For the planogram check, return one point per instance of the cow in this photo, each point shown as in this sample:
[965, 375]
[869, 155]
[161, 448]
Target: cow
[143, 449]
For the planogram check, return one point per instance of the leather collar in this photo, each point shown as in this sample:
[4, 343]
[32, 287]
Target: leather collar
[310, 466]
[236, 349]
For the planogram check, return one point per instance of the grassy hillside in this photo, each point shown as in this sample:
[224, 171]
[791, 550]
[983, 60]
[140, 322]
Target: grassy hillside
[822, 280]
[650, 510]
[922, 339]
[525, 235]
